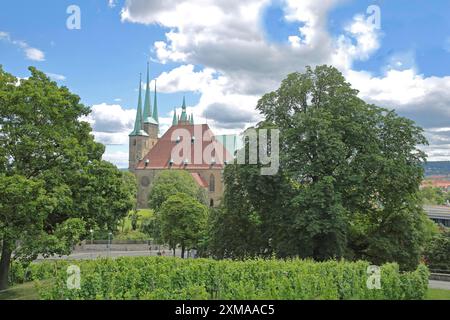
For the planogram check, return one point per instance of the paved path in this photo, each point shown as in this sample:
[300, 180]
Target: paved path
[89, 255]
[435, 284]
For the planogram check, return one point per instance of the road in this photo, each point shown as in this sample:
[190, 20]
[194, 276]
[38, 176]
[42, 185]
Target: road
[93, 254]
[435, 284]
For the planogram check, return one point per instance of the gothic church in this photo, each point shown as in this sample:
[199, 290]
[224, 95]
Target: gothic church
[150, 153]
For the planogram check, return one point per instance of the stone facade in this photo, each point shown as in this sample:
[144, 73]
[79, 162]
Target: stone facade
[150, 154]
[146, 177]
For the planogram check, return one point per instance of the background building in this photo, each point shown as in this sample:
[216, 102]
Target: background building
[150, 154]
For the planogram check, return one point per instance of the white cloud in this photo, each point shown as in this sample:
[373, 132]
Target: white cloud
[55, 76]
[119, 158]
[359, 42]
[31, 53]
[34, 54]
[111, 124]
[112, 3]
[184, 78]
[425, 100]
[218, 103]
[225, 37]
[404, 90]
[313, 14]
[4, 35]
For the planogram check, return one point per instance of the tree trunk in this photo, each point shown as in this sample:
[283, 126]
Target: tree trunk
[182, 251]
[5, 262]
[174, 248]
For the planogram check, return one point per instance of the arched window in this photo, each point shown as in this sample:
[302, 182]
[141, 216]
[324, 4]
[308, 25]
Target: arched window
[212, 183]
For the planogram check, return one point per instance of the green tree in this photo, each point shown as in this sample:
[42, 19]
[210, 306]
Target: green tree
[22, 211]
[61, 185]
[252, 208]
[340, 159]
[150, 227]
[433, 196]
[182, 221]
[130, 185]
[170, 182]
[437, 253]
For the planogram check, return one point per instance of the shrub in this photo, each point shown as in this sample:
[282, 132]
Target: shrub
[437, 253]
[131, 235]
[173, 278]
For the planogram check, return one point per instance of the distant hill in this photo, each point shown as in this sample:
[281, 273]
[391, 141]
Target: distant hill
[437, 168]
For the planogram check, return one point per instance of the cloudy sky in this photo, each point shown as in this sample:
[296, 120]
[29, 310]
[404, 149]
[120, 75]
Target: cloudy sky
[224, 54]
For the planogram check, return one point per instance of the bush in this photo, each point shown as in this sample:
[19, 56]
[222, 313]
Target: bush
[437, 253]
[23, 272]
[173, 278]
[131, 235]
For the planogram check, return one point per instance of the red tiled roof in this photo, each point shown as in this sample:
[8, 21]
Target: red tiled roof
[198, 178]
[436, 177]
[161, 153]
[436, 183]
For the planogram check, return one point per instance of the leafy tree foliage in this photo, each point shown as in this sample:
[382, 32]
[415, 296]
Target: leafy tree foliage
[237, 231]
[56, 184]
[434, 196]
[183, 221]
[130, 185]
[437, 253]
[348, 179]
[170, 182]
[150, 227]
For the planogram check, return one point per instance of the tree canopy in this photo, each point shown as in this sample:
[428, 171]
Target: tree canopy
[437, 253]
[348, 179]
[434, 196]
[170, 182]
[183, 221]
[58, 184]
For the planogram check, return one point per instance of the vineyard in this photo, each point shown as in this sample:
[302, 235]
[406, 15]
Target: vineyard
[173, 278]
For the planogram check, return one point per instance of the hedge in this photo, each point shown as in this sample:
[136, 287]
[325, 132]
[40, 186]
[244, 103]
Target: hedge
[174, 278]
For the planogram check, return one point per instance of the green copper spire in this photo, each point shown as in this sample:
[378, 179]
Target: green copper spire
[138, 123]
[147, 102]
[155, 107]
[191, 120]
[184, 116]
[175, 119]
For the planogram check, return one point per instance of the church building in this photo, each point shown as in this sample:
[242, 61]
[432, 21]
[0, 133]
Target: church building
[184, 146]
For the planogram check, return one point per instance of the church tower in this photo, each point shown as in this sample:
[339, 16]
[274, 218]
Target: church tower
[146, 126]
[151, 125]
[138, 138]
[184, 118]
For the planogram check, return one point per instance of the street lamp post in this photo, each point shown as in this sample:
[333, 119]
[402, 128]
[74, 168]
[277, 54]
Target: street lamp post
[92, 236]
[109, 243]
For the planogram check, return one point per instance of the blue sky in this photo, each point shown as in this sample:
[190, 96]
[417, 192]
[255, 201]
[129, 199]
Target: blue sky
[223, 55]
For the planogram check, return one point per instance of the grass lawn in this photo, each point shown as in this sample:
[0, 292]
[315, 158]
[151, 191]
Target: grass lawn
[126, 222]
[438, 294]
[26, 291]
